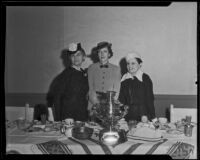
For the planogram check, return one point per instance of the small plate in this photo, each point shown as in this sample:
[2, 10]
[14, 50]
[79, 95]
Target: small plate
[175, 132]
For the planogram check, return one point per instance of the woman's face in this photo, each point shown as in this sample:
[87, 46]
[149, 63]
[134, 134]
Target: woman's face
[77, 59]
[103, 54]
[133, 66]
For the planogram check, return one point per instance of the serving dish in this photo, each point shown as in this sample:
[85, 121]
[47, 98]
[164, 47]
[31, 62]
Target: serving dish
[82, 132]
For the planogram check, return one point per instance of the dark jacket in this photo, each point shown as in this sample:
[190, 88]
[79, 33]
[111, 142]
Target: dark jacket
[67, 95]
[139, 97]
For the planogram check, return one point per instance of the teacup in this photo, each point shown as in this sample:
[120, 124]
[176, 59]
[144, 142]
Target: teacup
[162, 120]
[69, 121]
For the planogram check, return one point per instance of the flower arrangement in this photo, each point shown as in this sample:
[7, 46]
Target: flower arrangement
[73, 47]
[109, 111]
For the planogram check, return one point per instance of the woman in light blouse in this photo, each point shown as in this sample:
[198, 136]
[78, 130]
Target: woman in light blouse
[103, 76]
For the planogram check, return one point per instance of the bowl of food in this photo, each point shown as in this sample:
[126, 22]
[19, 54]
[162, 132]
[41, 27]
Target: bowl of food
[82, 132]
[79, 123]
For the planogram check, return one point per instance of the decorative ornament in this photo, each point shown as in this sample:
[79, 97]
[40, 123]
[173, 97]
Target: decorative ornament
[72, 47]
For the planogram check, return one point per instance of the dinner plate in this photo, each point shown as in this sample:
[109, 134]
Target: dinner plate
[38, 126]
[145, 139]
[93, 125]
[45, 134]
[175, 132]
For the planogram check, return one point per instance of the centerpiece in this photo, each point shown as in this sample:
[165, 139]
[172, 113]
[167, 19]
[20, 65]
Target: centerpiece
[108, 112]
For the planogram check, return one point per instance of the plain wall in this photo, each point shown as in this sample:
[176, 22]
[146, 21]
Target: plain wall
[164, 36]
[34, 40]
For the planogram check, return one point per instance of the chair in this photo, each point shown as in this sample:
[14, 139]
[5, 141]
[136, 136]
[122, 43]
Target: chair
[176, 114]
[31, 112]
[13, 113]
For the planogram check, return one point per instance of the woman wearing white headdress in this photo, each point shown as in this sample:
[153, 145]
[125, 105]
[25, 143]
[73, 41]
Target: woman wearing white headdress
[137, 90]
[68, 91]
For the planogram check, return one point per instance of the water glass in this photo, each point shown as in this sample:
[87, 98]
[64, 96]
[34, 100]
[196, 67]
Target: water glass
[188, 130]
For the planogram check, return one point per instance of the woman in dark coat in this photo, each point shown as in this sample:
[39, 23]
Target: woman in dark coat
[68, 91]
[137, 90]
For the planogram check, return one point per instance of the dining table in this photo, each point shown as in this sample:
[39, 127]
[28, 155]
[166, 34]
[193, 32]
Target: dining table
[54, 142]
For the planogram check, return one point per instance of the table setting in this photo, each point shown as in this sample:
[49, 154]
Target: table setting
[111, 134]
[83, 138]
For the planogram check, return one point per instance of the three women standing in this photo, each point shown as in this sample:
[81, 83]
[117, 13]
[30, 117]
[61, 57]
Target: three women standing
[69, 90]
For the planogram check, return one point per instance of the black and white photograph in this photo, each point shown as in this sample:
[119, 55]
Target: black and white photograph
[100, 80]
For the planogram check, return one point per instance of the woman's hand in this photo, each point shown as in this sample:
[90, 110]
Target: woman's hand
[91, 113]
[93, 97]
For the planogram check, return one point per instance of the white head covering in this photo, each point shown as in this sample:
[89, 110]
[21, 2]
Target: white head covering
[132, 55]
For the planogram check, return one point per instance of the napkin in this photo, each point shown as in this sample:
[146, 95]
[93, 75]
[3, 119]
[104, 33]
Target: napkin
[39, 126]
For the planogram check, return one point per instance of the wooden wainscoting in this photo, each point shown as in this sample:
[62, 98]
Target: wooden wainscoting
[162, 102]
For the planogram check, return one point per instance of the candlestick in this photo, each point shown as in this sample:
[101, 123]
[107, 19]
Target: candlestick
[110, 104]
[26, 111]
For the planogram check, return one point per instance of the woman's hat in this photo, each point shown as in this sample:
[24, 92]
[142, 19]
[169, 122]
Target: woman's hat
[104, 44]
[74, 47]
[132, 55]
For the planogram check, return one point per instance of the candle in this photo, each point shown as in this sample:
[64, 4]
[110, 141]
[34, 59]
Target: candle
[171, 113]
[26, 111]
